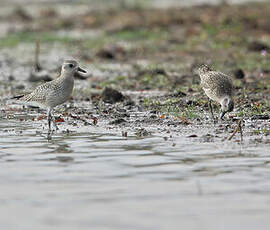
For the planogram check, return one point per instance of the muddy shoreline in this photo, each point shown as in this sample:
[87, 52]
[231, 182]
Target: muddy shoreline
[148, 55]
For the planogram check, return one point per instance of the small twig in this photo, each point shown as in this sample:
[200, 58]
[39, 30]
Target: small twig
[37, 52]
[238, 128]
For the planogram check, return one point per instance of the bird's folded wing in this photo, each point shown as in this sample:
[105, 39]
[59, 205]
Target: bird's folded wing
[39, 94]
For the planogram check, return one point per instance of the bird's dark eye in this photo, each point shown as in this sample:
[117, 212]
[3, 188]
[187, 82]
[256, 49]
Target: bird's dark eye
[71, 65]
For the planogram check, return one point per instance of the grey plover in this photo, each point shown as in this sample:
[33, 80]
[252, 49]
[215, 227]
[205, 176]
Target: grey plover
[218, 87]
[55, 92]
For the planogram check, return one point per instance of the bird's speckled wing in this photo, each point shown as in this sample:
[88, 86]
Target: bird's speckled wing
[218, 81]
[39, 94]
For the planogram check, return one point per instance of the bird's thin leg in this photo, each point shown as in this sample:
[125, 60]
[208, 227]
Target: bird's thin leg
[211, 110]
[54, 123]
[222, 114]
[49, 115]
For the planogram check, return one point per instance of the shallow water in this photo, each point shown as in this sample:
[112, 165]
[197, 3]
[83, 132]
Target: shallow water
[95, 178]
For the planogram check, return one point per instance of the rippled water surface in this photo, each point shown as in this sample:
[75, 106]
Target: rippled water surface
[97, 179]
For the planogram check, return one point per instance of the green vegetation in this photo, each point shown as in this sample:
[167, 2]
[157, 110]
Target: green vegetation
[30, 37]
[139, 34]
[173, 107]
[114, 82]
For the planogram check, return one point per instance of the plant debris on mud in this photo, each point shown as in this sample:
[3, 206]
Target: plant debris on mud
[141, 62]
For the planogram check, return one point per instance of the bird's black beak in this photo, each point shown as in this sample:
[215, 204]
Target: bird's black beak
[78, 74]
[81, 70]
[222, 115]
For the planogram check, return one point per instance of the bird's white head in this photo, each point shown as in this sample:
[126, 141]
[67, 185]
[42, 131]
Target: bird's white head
[70, 67]
[227, 105]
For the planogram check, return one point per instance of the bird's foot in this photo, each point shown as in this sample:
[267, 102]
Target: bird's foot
[49, 135]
